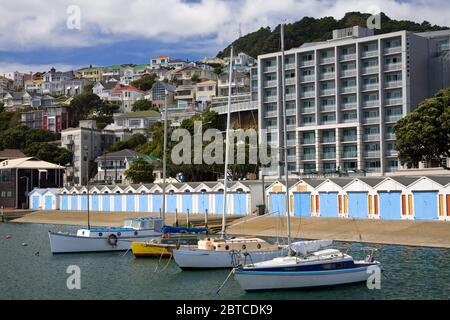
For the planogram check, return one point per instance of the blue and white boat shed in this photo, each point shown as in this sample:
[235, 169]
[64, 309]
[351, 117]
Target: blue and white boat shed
[203, 197]
[328, 198]
[83, 199]
[425, 194]
[276, 196]
[118, 199]
[64, 199]
[444, 196]
[173, 202]
[391, 198]
[358, 201]
[36, 199]
[186, 197]
[95, 199]
[303, 195]
[143, 198]
[241, 203]
[155, 203]
[130, 198]
[74, 199]
[217, 194]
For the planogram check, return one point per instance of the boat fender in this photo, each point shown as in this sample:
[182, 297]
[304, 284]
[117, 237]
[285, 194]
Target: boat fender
[112, 240]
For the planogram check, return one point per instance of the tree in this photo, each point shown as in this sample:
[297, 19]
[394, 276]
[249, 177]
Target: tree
[145, 83]
[49, 152]
[143, 105]
[140, 171]
[424, 134]
[85, 104]
[135, 141]
[20, 137]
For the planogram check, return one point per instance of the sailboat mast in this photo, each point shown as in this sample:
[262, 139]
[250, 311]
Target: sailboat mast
[285, 153]
[163, 209]
[227, 143]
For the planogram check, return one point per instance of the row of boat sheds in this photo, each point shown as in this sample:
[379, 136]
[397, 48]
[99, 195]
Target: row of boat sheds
[390, 198]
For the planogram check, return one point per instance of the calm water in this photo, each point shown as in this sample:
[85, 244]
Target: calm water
[412, 273]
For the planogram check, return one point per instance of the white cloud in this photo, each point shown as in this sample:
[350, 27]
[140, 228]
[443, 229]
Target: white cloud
[6, 66]
[28, 24]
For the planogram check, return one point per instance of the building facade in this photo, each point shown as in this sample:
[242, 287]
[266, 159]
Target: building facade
[343, 97]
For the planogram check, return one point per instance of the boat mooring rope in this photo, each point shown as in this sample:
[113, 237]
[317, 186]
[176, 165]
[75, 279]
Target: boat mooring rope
[223, 284]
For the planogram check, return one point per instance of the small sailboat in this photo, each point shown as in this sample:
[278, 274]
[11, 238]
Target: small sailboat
[106, 239]
[222, 252]
[306, 265]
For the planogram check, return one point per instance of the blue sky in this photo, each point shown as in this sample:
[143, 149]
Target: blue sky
[34, 35]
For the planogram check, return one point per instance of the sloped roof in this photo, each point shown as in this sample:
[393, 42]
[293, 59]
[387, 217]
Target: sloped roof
[126, 153]
[11, 154]
[442, 180]
[406, 181]
[372, 181]
[28, 163]
[139, 114]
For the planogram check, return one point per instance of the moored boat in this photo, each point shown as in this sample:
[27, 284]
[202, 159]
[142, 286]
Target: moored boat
[106, 239]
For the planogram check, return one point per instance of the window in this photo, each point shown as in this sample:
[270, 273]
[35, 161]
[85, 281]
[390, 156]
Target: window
[349, 115]
[309, 167]
[308, 119]
[307, 57]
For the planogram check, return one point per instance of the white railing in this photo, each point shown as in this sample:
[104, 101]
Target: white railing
[371, 137]
[348, 89]
[307, 63]
[308, 94]
[327, 92]
[394, 118]
[349, 56]
[371, 103]
[270, 83]
[309, 78]
[331, 107]
[391, 153]
[371, 120]
[271, 114]
[348, 106]
[236, 107]
[327, 76]
[327, 60]
[289, 66]
[393, 66]
[308, 110]
[370, 70]
[372, 154]
[291, 96]
[393, 50]
[390, 136]
[394, 84]
[270, 69]
[394, 101]
[370, 87]
[368, 54]
[271, 99]
[291, 112]
[290, 81]
[348, 73]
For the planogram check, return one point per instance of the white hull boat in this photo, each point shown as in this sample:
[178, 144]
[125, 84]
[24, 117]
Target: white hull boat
[220, 253]
[106, 239]
[322, 268]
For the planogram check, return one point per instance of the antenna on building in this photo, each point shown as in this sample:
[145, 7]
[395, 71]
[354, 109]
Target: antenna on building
[240, 30]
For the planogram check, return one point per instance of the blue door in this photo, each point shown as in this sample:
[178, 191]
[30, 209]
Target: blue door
[94, 203]
[74, 203]
[83, 202]
[277, 204]
[156, 202]
[48, 203]
[218, 203]
[425, 205]
[186, 203]
[358, 205]
[143, 203]
[328, 204]
[171, 203]
[240, 203]
[118, 202]
[35, 202]
[203, 203]
[130, 202]
[302, 204]
[64, 202]
[390, 205]
[106, 201]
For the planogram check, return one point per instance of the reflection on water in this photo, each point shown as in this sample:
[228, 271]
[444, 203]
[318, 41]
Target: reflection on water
[411, 273]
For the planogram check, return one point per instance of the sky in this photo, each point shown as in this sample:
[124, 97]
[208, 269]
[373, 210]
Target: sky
[36, 35]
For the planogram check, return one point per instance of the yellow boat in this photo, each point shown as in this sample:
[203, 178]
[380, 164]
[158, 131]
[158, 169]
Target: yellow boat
[149, 249]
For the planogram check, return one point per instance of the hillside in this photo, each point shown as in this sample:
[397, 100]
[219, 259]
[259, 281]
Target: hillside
[310, 29]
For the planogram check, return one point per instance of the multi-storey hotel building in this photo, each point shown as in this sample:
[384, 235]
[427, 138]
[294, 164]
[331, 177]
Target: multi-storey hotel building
[343, 97]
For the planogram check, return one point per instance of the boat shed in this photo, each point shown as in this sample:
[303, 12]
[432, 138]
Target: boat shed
[36, 199]
[392, 198]
[329, 197]
[358, 201]
[276, 195]
[302, 195]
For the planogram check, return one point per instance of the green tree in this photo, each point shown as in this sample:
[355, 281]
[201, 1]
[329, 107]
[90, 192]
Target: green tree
[20, 137]
[49, 152]
[145, 83]
[85, 104]
[135, 141]
[143, 105]
[424, 134]
[140, 171]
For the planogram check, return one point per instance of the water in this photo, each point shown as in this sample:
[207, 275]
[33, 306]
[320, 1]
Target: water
[413, 273]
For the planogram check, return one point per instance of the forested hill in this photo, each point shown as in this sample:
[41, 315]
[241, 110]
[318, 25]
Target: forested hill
[310, 29]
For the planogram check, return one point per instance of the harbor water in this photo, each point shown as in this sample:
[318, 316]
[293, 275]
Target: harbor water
[28, 270]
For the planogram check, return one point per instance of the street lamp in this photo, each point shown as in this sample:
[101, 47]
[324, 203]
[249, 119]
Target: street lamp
[87, 184]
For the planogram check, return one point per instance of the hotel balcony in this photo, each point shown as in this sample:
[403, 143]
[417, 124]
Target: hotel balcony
[309, 141]
[371, 103]
[271, 114]
[309, 157]
[348, 89]
[270, 69]
[369, 54]
[327, 60]
[349, 155]
[289, 66]
[291, 143]
[327, 76]
[328, 155]
[271, 83]
[291, 112]
[310, 78]
[328, 139]
[328, 92]
[324, 122]
[349, 56]
[350, 138]
[291, 127]
[308, 110]
[391, 153]
[309, 124]
[290, 81]
[291, 96]
[372, 154]
[390, 136]
[308, 94]
[292, 158]
[328, 108]
[371, 137]
[370, 87]
[348, 120]
[393, 50]
[394, 101]
[393, 84]
[348, 73]
[371, 120]
[309, 63]
[349, 106]
[393, 67]
[370, 70]
[271, 99]
[393, 118]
